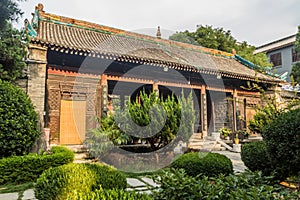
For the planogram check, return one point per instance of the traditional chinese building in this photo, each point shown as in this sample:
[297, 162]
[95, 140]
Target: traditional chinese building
[76, 67]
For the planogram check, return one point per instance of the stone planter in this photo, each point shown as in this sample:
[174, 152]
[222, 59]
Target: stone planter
[215, 135]
[237, 148]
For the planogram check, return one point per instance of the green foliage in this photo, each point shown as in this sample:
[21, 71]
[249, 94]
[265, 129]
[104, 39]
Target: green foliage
[103, 139]
[176, 185]
[254, 155]
[225, 131]
[204, 164]
[18, 121]
[21, 169]
[9, 11]
[12, 53]
[264, 115]
[109, 195]
[155, 117]
[12, 42]
[295, 73]
[282, 137]
[220, 39]
[183, 37]
[297, 43]
[187, 119]
[65, 181]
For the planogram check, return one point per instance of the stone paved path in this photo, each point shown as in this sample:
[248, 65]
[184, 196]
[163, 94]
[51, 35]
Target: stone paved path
[141, 184]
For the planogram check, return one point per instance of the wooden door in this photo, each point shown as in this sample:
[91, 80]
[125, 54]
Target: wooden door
[72, 122]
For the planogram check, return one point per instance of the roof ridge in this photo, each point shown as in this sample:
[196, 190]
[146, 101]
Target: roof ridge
[110, 30]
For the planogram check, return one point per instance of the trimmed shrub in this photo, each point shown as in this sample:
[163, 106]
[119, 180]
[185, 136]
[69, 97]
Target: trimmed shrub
[254, 155]
[282, 137]
[21, 169]
[62, 182]
[109, 195]
[18, 121]
[205, 164]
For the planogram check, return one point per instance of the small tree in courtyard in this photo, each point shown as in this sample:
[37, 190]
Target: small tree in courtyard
[155, 120]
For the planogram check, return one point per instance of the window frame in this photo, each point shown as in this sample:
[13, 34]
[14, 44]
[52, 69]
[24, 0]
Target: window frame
[276, 59]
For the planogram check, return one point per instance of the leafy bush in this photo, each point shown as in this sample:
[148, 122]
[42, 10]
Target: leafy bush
[254, 155]
[64, 181]
[109, 195]
[282, 137]
[176, 184]
[18, 121]
[263, 116]
[207, 164]
[20, 169]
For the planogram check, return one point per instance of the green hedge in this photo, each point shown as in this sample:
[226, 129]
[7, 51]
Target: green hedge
[63, 182]
[20, 169]
[108, 195]
[207, 164]
[254, 155]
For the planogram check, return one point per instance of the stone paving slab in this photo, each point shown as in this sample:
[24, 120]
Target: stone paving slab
[150, 182]
[133, 182]
[28, 195]
[9, 196]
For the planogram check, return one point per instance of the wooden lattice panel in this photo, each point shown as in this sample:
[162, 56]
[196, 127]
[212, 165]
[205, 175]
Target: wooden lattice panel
[72, 122]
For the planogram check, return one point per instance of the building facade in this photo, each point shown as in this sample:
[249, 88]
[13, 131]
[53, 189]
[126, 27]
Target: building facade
[76, 68]
[281, 54]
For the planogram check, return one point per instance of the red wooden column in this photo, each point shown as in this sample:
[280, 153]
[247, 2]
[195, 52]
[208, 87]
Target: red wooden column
[234, 109]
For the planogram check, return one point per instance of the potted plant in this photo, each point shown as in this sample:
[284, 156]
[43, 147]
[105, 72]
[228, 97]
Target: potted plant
[236, 139]
[225, 132]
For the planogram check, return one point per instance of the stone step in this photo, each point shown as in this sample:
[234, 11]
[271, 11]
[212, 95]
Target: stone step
[195, 140]
[77, 148]
[80, 156]
[197, 135]
[209, 138]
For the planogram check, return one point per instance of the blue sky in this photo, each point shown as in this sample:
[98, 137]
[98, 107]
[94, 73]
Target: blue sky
[257, 21]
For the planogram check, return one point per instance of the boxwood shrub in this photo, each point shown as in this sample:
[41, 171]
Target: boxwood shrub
[108, 195]
[254, 155]
[63, 182]
[201, 163]
[20, 169]
[18, 121]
